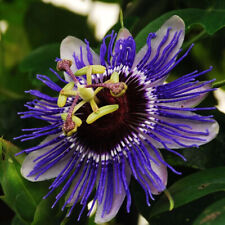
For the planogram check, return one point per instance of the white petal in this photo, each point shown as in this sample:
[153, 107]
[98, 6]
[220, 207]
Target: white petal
[194, 126]
[161, 171]
[68, 46]
[118, 199]
[192, 102]
[177, 24]
[28, 164]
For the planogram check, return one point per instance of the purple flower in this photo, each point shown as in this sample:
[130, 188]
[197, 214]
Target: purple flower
[112, 115]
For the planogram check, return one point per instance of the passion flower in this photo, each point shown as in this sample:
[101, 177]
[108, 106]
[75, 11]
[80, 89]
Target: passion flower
[111, 116]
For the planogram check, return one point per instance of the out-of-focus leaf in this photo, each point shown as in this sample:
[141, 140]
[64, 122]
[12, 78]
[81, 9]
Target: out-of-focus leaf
[11, 124]
[14, 11]
[213, 214]
[186, 214]
[211, 20]
[44, 213]
[210, 51]
[39, 61]
[17, 196]
[17, 221]
[46, 23]
[9, 149]
[21, 195]
[191, 188]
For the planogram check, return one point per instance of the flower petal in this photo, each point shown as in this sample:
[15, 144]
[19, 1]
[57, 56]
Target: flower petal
[160, 169]
[71, 45]
[117, 199]
[163, 42]
[191, 102]
[29, 164]
[177, 24]
[184, 131]
[151, 170]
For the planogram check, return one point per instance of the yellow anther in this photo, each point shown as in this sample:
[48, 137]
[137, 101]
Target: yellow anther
[75, 119]
[89, 72]
[101, 112]
[114, 77]
[68, 93]
[63, 116]
[95, 69]
[85, 93]
[71, 131]
[63, 98]
[61, 101]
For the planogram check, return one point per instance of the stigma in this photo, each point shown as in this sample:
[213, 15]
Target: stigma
[86, 94]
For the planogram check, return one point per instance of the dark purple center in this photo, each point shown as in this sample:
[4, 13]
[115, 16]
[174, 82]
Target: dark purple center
[107, 132]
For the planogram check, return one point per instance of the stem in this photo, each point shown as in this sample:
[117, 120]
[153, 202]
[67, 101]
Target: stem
[219, 84]
[121, 18]
[170, 198]
[194, 39]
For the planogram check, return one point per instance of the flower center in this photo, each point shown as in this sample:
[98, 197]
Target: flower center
[106, 133]
[87, 94]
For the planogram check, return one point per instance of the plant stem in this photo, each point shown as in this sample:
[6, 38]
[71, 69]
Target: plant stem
[219, 84]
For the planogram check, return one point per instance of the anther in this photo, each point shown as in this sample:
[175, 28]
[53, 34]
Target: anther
[104, 110]
[64, 65]
[63, 94]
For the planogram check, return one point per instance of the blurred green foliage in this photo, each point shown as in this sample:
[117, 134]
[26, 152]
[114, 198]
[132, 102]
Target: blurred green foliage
[29, 46]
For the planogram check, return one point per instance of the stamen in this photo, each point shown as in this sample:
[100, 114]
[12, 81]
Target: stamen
[101, 112]
[64, 65]
[87, 94]
[63, 97]
[70, 127]
[68, 93]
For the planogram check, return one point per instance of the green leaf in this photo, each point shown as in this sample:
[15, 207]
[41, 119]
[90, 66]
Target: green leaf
[187, 214]
[17, 221]
[44, 213]
[19, 194]
[40, 60]
[191, 188]
[211, 20]
[213, 214]
[46, 23]
[9, 149]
